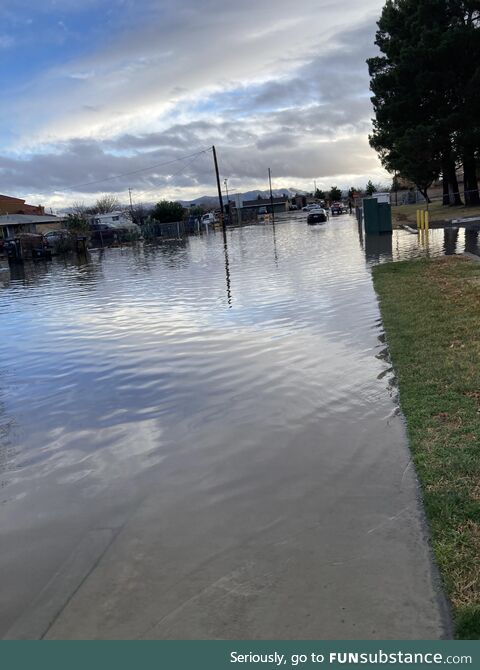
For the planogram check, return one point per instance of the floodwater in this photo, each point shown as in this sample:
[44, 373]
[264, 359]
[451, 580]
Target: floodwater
[201, 439]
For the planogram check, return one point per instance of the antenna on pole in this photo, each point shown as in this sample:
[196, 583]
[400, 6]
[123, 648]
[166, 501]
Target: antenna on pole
[220, 198]
[271, 195]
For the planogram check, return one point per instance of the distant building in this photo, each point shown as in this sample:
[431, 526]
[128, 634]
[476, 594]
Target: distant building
[301, 200]
[10, 205]
[262, 206]
[14, 224]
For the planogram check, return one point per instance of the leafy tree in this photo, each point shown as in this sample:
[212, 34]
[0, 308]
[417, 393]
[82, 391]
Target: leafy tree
[320, 195]
[76, 223]
[196, 210]
[399, 102]
[370, 188]
[425, 101]
[167, 211]
[335, 194]
[354, 190]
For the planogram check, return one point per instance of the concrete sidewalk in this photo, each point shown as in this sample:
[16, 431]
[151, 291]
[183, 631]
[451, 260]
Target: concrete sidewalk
[321, 539]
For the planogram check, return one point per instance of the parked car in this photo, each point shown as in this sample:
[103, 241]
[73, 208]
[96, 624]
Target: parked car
[54, 237]
[101, 233]
[26, 246]
[336, 208]
[316, 216]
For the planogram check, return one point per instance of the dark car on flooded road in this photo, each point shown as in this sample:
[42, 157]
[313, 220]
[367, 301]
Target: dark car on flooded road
[336, 209]
[317, 216]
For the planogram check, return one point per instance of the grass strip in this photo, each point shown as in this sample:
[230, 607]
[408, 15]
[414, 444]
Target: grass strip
[431, 316]
[408, 213]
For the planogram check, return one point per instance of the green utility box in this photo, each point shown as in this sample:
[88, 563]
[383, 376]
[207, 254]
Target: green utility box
[385, 217]
[370, 215]
[377, 216]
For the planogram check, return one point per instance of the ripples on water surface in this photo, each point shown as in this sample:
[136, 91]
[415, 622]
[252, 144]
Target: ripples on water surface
[116, 370]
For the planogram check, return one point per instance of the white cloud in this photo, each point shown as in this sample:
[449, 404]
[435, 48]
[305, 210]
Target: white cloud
[269, 87]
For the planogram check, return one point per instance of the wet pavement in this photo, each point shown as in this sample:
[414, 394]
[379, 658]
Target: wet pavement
[202, 440]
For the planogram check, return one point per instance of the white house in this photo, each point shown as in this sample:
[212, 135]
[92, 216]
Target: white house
[114, 220]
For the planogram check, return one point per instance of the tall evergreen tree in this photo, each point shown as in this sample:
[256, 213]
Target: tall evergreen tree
[424, 85]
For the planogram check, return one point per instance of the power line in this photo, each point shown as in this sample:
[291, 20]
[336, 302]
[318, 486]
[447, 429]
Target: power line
[184, 167]
[127, 174]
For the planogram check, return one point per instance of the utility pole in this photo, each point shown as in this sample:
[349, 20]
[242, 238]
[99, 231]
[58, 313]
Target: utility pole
[271, 195]
[131, 205]
[220, 198]
[314, 188]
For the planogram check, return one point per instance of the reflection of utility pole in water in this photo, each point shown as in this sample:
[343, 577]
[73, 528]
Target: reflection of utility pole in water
[227, 208]
[275, 254]
[450, 238]
[360, 232]
[471, 241]
[227, 267]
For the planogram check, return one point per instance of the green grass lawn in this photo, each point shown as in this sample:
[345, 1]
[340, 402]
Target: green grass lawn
[431, 315]
[407, 214]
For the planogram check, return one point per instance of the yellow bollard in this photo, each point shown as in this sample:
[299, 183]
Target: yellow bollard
[427, 221]
[422, 219]
[418, 220]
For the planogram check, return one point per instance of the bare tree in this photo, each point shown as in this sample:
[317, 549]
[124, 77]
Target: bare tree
[139, 213]
[79, 210]
[106, 203]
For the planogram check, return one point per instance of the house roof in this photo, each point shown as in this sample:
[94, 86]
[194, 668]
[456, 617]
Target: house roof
[18, 219]
[10, 197]
[108, 215]
[264, 202]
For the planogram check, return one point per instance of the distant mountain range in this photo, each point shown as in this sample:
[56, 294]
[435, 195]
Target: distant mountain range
[212, 201]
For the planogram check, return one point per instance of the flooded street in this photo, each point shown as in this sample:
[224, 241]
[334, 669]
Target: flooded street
[202, 440]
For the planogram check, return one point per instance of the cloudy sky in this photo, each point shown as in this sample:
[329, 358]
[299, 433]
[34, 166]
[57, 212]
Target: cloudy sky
[100, 88]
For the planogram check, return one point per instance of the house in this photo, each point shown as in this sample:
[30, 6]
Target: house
[13, 224]
[246, 208]
[113, 220]
[10, 205]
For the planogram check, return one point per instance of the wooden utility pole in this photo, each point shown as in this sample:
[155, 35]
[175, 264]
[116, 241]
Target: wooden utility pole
[131, 205]
[271, 195]
[220, 198]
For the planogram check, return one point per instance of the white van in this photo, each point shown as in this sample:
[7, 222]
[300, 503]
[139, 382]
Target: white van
[209, 218]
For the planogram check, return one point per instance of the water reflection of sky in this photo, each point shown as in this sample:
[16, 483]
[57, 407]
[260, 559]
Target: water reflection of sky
[404, 245]
[79, 339]
[114, 368]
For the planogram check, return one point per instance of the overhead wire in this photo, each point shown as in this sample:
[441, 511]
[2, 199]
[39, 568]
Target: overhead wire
[132, 172]
[182, 169]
